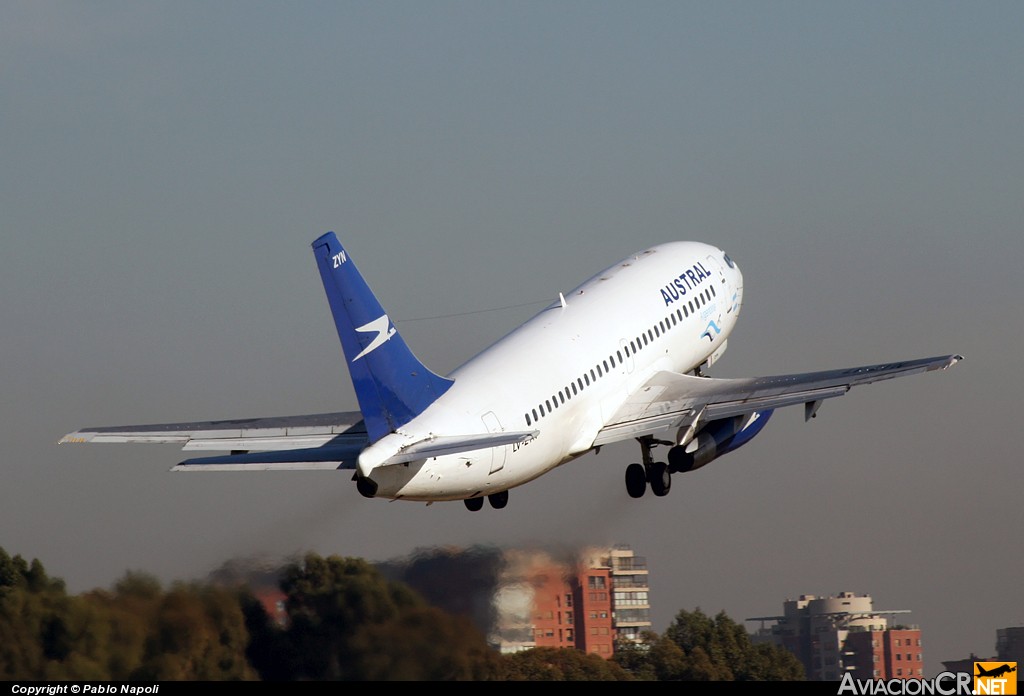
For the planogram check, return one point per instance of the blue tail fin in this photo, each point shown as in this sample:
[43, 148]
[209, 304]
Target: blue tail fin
[392, 386]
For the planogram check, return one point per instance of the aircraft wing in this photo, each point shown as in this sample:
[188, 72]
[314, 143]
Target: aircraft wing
[337, 455]
[670, 400]
[285, 443]
[317, 441]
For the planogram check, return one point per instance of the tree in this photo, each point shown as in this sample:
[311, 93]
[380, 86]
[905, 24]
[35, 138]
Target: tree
[561, 664]
[347, 621]
[198, 632]
[635, 656]
[720, 649]
[425, 644]
[34, 632]
[659, 658]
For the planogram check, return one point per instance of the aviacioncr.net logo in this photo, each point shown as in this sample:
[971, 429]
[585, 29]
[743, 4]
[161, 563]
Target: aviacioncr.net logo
[995, 678]
[946, 684]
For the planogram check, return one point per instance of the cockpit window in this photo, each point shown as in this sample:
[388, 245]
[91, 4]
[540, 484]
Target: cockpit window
[728, 260]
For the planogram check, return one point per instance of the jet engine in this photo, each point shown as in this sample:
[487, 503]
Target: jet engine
[715, 439]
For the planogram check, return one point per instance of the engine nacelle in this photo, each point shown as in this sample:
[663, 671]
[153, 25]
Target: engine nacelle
[715, 439]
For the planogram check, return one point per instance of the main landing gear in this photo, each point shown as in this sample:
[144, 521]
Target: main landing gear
[497, 501]
[655, 473]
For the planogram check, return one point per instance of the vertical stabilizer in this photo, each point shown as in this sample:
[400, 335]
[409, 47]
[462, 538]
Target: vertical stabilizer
[392, 385]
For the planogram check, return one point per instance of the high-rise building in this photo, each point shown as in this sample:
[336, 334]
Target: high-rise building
[522, 599]
[630, 599]
[887, 654]
[586, 602]
[1010, 644]
[535, 603]
[595, 618]
[834, 635]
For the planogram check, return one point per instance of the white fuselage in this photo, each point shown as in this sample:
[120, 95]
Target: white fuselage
[568, 370]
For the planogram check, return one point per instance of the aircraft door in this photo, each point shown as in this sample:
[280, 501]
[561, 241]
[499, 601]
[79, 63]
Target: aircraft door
[493, 425]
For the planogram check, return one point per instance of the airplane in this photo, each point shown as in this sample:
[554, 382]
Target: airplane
[994, 672]
[620, 357]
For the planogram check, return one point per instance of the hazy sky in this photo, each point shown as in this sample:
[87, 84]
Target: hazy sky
[165, 166]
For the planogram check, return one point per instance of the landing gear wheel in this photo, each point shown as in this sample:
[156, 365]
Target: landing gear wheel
[636, 481]
[498, 500]
[661, 479]
[474, 504]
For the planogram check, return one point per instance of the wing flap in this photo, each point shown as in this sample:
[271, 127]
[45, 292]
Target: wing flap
[308, 459]
[639, 427]
[273, 442]
[671, 400]
[738, 407]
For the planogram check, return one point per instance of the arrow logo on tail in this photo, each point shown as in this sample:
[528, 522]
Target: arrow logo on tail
[384, 330]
